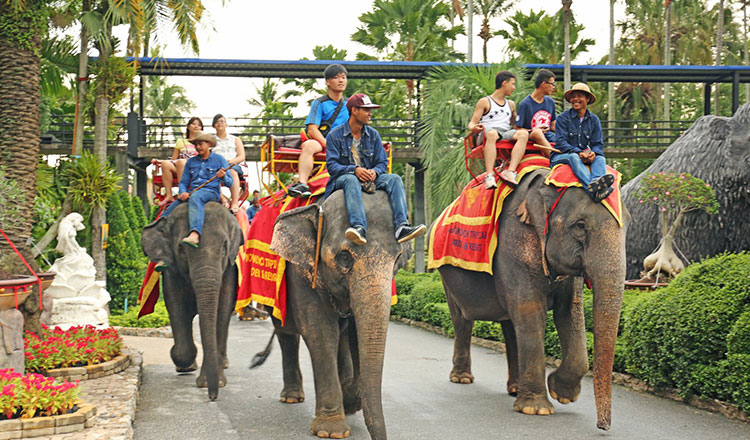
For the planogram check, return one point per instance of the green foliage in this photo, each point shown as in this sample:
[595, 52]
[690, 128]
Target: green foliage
[92, 183]
[159, 318]
[22, 23]
[112, 78]
[12, 200]
[674, 193]
[684, 335]
[126, 263]
[139, 214]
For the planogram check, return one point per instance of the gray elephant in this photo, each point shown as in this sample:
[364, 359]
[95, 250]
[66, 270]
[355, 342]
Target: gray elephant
[344, 319]
[199, 280]
[535, 272]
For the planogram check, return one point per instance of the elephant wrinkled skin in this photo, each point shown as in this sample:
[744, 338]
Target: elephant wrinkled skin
[533, 273]
[199, 281]
[345, 318]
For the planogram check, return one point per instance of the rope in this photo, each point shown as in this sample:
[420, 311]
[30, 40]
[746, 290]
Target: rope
[38, 280]
[554, 205]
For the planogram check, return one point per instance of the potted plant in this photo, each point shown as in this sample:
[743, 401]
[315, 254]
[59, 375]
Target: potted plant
[674, 194]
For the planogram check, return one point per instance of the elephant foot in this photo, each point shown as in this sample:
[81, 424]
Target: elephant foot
[462, 377]
[202, 382]
[189, 369]
[226, 363]
[512, 388]
[330, 426]
[562, 391]
[292, 395]
[534, 406]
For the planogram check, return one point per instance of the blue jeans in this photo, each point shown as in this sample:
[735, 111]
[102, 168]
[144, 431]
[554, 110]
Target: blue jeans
[598, 167]
[390, 183]
[196, 207]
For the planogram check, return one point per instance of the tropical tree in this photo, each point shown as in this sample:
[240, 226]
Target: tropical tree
[269, 101]
[540, 38]
[489, 9]
[163, 100]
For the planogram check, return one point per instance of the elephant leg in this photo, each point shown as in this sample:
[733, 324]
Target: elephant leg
[182, 309]
[565, 382]
[348, 363]
[323, 344]
[461, 372]
[511, 353]
[529, 317]
[293, 391]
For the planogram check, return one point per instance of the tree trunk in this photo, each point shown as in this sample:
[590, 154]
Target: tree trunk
[83, 73]
[611, 116]
[747, 47]
[719, 49]
[101, 123]
[667, 62]
[566, 68]
[470, 31]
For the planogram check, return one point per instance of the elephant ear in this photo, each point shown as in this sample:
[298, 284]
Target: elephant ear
[534, 208]
[294, 236]
[403, 258]
[155, 242]
[235, 240]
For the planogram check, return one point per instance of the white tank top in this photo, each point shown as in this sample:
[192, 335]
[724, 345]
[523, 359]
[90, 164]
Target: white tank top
[226, 147]
[498, 117]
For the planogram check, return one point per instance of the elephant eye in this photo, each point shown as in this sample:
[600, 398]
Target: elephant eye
[344, 260]
[578, 230]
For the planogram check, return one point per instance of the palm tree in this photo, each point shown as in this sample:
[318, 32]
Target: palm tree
[566, 25]
[719, 49]
[489, 9]
[162, 100]
[611, 115]
[270, 102]
[745, 4]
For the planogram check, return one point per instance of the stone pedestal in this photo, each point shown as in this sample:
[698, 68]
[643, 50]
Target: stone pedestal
[11, 336]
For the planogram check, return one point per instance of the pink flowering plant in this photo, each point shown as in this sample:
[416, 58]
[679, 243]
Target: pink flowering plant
[75, 347]
[26, 396]
[674, 194]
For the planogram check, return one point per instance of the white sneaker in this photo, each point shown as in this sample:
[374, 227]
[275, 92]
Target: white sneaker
[489, 181]
[509, 177]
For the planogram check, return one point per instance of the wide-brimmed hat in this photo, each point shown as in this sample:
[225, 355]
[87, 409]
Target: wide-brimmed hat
[202, 136]
[360, 100]
[581, 87]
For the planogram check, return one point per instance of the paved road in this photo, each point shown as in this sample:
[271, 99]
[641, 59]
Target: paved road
[419, 401]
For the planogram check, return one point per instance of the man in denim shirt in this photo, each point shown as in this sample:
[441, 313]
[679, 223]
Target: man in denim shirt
[199, 170]
[579, 138]
[354, 157]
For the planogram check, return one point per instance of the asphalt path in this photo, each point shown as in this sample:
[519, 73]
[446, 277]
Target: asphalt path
[418, 399]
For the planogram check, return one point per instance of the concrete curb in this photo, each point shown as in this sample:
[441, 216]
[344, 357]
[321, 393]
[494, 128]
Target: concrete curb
[713, 405]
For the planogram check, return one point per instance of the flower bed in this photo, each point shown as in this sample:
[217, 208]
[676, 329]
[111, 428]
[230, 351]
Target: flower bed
[75, 347]
[34, 395]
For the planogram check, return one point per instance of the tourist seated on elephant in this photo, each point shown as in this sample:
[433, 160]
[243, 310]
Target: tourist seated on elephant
[579, 139]
[199, 175]
[356, 161]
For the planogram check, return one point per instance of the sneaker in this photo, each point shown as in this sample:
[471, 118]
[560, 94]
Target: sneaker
[489, 181]
[407, 232]
[603, 194]
[601, 183]
[299, 189]
[357, 234]
[509, 177]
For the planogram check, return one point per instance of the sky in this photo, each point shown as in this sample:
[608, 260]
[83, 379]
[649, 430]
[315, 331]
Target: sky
[290, 29]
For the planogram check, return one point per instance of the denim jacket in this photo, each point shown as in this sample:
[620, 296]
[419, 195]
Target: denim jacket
[339, 159]
[198, 171]
[573, 135]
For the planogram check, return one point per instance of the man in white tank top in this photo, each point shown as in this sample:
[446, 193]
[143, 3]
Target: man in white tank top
[493, 117]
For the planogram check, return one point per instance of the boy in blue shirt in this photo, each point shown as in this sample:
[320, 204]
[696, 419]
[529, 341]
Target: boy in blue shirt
[326, 112]
[579, 140]
[536, 112]
[199, 170]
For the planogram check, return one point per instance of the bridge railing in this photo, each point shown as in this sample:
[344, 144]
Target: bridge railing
[623, 138]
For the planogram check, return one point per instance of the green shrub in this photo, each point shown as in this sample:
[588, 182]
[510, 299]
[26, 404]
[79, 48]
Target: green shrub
[738, 341]
[159, 318]
[140, 214]
[126, 264]
[488, 330]
[678, 336]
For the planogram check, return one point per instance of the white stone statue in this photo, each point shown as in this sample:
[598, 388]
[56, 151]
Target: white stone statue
[78, 298]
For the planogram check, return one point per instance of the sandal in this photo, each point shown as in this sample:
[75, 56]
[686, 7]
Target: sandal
[190, 243]
[601, 183]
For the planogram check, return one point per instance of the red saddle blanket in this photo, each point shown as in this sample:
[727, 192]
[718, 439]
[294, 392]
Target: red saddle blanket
[465, 234]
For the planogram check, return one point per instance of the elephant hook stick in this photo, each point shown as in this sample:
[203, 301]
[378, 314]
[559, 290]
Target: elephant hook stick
[317, 246]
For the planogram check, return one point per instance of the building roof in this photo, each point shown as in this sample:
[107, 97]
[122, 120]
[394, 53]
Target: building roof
[420, 69]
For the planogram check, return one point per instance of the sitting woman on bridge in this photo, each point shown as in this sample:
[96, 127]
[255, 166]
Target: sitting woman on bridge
[183, 150]
[231, 148]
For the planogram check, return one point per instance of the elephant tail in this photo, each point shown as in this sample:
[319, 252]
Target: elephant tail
[261, 357]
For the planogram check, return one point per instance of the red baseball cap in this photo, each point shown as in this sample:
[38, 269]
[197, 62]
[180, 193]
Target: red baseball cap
[360, 100]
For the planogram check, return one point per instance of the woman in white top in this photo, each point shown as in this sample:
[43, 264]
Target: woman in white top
[183, 150]
[233, 151]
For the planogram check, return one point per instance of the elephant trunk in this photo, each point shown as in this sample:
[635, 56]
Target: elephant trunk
[607, 282]
[371, 302]
[206, 284]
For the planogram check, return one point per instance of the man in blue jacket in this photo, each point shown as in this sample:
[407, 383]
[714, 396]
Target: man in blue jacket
[579, 139]
[355, 157]
[199, 170]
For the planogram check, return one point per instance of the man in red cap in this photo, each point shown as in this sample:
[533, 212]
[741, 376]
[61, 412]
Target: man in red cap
[355, 157]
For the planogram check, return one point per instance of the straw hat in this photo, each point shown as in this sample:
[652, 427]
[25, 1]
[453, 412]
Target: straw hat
[201, 136]
[581, 87]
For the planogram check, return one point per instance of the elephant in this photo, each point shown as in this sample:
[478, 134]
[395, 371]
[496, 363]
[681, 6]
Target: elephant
[344, 318]
[534, 272]
[199, 280]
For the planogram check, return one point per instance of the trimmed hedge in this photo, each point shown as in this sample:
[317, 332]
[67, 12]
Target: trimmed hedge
[126, 264]
[693, 335]
[159, 318]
